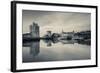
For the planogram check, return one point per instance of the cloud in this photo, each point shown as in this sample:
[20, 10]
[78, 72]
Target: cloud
[56, 21]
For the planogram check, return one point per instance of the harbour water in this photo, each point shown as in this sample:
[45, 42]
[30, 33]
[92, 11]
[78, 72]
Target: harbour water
[49, 50]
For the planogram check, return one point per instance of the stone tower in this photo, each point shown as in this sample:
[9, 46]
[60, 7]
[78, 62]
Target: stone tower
[34, 30]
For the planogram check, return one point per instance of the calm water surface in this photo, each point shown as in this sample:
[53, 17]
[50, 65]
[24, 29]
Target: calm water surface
[40, 51]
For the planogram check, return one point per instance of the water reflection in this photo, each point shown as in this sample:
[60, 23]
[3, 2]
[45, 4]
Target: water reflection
[55, 41]
[34, 47]
[36, 51]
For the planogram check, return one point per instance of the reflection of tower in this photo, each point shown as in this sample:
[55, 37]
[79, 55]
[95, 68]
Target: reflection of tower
[34, 30]
[34, 48]
[49, 43]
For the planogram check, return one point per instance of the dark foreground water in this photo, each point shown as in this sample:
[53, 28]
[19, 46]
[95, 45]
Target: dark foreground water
[48, 50]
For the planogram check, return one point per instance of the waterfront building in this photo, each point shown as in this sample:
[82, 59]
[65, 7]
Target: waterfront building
[26, 35]
[49, 33]
[34, 30]
[67, 35]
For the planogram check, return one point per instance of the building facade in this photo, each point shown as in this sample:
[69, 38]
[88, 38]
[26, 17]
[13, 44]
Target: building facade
[67, 35]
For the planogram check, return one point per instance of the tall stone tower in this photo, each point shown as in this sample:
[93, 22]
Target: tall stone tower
[34, 30]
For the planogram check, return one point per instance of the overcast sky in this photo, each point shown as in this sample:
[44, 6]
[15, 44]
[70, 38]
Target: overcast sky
[56, 21]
